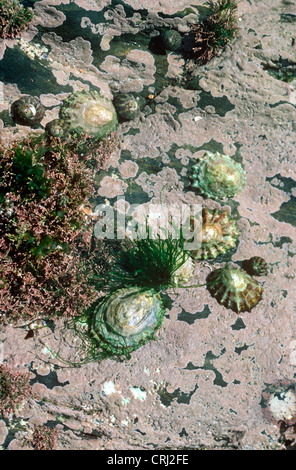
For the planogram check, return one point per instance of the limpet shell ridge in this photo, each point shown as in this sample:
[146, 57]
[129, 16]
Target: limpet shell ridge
[234, 289]
[219, 234]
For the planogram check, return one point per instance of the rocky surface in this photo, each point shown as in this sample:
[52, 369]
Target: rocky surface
[201, 384]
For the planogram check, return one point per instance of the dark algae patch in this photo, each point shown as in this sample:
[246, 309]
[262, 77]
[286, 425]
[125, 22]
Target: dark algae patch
[192, 317]
[37, 76]
[209, 366]
[287, 212]
[167, 398]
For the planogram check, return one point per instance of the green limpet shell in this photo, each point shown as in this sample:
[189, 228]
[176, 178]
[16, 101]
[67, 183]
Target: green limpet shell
[255, 266]
[127, 106]
[89, 112]
[171, 39]
[27, 110]
[219, 234]
[126, 320]
[218, 176]
[234, 288]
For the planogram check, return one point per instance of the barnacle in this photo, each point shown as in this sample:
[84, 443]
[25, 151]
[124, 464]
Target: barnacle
[278, 402]
[219, 234]
[126, 320]
[218, 176]
[234, 288]
[89, 112]
[27, 110]
[184, 272]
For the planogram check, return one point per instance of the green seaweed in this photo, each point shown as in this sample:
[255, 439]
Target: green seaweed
[149, 263]
[26, 175]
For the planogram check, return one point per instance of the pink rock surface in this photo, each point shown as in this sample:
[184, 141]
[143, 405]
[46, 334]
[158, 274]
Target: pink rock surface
[200, 384]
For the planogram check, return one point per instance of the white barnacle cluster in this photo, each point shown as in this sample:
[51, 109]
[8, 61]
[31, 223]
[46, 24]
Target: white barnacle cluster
[283, 405]
[33, 51]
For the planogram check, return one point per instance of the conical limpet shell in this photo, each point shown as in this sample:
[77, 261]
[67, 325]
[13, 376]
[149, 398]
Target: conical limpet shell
[218, 176]
[89, 112]
[219, 234]
[127, 319]
[234, 288]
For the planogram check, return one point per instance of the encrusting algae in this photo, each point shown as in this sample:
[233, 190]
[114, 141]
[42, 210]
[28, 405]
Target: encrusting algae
[133, 309]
